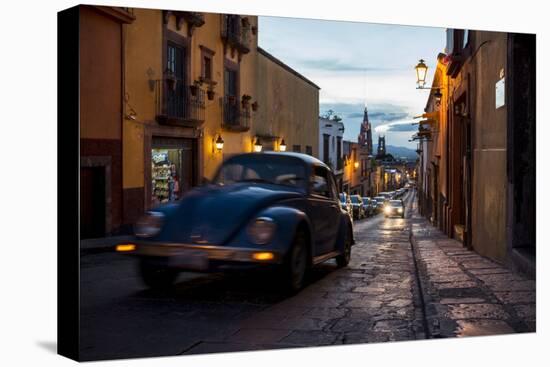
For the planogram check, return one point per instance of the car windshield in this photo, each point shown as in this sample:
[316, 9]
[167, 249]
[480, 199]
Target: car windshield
[262, 168]
[379, 198]
[396, 203]
[355, 199]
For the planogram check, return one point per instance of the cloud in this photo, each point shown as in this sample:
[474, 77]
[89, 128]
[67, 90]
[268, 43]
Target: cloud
[400, 126]
[355, 115]
[387, 116]
[329, 64]
[403, 127]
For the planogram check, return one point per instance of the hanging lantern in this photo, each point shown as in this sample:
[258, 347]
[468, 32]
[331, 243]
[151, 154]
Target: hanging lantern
[257, 145]
[282, 146]
[421, 72]
[219, 143]
[438, 95]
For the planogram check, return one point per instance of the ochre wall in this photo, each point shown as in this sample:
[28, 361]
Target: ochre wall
[144, 65]
[289, 106]
[100, 73]
[143, 58]
[489, 140]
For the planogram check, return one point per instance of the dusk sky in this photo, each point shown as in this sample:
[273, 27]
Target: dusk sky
[357, 63]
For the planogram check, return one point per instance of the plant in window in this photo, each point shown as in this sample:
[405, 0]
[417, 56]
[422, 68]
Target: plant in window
[246, 100]
[170, 78]
[195, 87]
[210, 91]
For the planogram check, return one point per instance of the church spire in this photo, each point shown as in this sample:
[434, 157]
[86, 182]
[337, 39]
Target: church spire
[365, 134]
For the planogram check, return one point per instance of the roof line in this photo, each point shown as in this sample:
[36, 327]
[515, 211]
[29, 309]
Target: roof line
[285, 66]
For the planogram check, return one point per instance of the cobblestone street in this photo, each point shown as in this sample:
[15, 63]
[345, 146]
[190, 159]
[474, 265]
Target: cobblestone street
[397, 287]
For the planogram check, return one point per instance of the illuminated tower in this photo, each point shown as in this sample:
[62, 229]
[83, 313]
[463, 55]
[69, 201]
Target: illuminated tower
[365, 134]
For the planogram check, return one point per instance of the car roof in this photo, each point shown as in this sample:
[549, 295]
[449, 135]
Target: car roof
[306, 158]
[396, 201]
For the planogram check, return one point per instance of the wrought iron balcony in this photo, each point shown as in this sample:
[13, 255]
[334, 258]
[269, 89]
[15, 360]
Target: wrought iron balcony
[235, 32]
[178, 103]
[235, 117]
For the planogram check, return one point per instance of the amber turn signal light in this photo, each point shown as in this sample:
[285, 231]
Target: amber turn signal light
[263, 256]
[126, 247]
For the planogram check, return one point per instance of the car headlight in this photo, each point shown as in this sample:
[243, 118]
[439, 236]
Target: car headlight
[400, 210]
[261, 230]
[149, 225]
[387, 210]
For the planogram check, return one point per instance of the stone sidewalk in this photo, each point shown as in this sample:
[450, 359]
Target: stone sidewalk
[466, 294]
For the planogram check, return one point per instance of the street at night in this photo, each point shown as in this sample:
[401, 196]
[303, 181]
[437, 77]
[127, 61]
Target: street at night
[396, 287]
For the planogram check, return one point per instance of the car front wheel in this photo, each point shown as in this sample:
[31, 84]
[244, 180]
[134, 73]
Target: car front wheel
[297, 263]
[343, 259]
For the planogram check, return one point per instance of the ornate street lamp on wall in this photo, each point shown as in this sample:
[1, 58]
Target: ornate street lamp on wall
[219, 143]
[257, 145]
[421, 72]
[282, 146]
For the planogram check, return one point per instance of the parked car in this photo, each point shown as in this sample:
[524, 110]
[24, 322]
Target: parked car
[345, 202]
[369, 205]
[269, 209]
[380, 200]
[358, 208]
[394, 208]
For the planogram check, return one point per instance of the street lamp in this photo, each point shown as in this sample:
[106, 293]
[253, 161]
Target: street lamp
[219, 143]
[438, 95]
[282, 146]
[421, 72]
[356, 164]
[257, 145]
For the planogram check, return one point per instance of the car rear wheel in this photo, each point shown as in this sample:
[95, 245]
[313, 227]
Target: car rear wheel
[156, 277]
[297, 263]
[343, 259]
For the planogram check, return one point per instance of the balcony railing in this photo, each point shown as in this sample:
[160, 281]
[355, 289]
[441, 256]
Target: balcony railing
[234, 116]
[235, 31]
[178, 103]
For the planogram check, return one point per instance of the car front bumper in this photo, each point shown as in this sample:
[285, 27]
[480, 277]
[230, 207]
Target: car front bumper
[202, 257]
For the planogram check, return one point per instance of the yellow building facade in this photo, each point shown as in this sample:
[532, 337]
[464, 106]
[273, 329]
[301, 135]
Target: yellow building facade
[288, 109]
[197, 89]
[189, 81]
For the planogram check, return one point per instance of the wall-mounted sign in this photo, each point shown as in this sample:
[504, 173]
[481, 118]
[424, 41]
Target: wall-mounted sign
[499, 93]
[160, 157]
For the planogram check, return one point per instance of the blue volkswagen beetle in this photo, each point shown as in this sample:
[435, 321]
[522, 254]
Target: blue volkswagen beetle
[261, 209]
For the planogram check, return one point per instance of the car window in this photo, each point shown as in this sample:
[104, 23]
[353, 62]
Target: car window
[275, 170]
[319, 182]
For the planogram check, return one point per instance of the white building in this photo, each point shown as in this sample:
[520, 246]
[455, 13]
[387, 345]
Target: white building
[330, 145]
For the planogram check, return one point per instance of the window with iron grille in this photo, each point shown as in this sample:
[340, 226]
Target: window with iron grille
[175, 66]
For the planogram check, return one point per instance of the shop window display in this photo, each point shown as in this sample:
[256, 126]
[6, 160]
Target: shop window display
[166, 171]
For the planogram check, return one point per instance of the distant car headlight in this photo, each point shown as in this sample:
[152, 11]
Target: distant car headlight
[387, 210]
[261, 230]
[400, 210]
[149, 225]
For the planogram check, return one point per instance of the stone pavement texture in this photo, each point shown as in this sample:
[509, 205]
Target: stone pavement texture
[466, 294]
[406, 281]
[374, 299]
